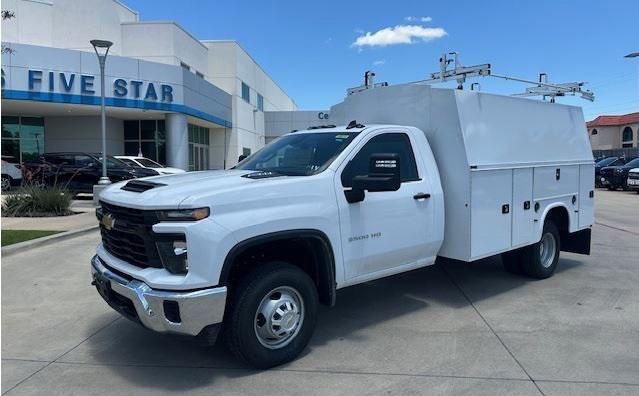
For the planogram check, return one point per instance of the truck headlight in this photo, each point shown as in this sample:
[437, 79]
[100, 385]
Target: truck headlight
[183, 214]
[173, 255]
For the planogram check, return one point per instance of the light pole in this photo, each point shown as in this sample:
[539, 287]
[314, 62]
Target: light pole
[103, 46]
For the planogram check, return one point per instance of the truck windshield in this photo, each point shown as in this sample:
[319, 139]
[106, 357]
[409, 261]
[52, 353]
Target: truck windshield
[301, 154]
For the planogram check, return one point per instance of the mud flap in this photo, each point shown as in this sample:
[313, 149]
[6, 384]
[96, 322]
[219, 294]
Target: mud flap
[577, 242]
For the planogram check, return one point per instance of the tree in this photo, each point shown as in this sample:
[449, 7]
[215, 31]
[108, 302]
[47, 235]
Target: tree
[6, 14]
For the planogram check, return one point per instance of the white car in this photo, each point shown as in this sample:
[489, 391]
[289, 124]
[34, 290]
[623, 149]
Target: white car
[633, 179]
[148, 163]
[11, 175]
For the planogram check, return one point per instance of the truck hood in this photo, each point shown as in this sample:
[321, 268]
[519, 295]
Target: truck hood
[172, 190]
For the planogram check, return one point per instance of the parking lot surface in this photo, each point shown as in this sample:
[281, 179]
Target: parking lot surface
[453, 328]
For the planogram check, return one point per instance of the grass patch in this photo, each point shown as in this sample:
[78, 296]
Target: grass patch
[9, 237]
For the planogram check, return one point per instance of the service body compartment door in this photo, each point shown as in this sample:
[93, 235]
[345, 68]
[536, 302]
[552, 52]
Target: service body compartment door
[586, 195]
[523, 212]
[491, 211]
[555, 181]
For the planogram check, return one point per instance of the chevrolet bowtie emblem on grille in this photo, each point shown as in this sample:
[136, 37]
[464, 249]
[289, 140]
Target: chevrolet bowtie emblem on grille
[108, 221]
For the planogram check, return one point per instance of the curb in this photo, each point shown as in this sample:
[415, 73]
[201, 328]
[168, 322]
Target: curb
[26, 245]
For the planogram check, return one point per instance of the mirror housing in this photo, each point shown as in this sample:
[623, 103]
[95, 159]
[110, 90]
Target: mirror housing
[383, 175]
[241, 158]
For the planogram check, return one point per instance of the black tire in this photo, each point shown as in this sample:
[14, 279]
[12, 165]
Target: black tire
[242, 320]
[512, 261]
[532, 257]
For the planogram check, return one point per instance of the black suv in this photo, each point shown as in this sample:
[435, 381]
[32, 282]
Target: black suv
[615, 177]
[80, 171]
[602, 163]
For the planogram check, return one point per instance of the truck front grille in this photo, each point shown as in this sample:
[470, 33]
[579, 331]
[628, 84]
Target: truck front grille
[128, 235]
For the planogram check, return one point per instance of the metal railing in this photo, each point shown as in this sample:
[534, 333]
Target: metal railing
[630, 152]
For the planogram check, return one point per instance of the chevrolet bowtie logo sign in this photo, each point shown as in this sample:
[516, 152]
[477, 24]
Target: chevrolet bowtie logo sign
[108, 221]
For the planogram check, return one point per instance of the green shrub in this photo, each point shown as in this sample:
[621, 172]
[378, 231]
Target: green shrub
[34, 201]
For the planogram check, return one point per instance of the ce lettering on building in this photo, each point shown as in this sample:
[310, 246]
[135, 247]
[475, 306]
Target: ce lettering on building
[122, 88]
[322, 115]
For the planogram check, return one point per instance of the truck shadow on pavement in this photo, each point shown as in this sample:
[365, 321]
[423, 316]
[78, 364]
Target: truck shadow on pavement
[422, 298]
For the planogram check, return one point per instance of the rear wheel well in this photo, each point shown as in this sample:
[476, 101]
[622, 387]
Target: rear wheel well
[309, 250]
[559, 216]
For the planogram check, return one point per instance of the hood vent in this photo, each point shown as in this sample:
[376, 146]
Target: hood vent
[261, 175]
[141, 186]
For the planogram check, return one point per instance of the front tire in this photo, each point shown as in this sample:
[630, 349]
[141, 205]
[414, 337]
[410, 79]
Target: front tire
[272, 315]
[540, 259]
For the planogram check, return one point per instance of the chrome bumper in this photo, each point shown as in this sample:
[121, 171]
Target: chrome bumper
[197, 309]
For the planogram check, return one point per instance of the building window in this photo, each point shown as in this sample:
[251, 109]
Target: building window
[198, 147]
[246, 151]
[260, 102]
[22, 138]
[626, 137]
[246, 93]
[147, 137]
[197, 73]
[185, 66]
[594, 132]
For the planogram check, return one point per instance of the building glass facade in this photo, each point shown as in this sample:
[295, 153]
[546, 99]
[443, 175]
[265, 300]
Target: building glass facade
[147, 137]
[198, 147]
[22, 138]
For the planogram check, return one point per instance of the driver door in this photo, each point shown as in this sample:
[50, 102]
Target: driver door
[388, 229]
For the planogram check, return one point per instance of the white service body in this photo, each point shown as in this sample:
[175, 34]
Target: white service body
[491, 150]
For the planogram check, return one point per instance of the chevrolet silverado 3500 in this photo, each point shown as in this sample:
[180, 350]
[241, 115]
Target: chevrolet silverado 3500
[423, 173]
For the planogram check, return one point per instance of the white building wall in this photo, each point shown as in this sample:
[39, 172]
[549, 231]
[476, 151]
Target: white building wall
[164, 42]
[20, 29]
[68, 24]
[230, 66]
[278, 123]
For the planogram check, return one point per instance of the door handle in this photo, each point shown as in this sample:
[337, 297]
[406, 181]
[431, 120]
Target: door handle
[421, 196]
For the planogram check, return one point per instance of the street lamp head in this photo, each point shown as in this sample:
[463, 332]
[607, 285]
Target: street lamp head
[101, 43]
[632, 55]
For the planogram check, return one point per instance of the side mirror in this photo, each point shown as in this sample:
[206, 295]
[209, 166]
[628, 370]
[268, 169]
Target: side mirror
[383, 175]
[241, 158]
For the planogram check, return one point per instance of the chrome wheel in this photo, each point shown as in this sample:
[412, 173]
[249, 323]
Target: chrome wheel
[279, 317]
[547, 250]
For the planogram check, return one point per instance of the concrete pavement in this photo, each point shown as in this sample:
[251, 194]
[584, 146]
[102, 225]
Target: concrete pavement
[453, 328]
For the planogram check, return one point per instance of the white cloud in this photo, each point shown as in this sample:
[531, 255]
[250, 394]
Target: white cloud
[400, 34]
[379, 62]
[420, 19]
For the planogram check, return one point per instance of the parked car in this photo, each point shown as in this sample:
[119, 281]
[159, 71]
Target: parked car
[614, 177]
[633, 179]
[11, 175]
[602, 163]
[79, 172]
[142, 162]
[260, 246]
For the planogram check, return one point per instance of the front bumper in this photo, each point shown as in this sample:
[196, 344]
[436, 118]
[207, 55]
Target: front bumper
[163, 311]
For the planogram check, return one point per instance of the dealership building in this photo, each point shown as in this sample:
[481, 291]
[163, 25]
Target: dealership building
[190, 103]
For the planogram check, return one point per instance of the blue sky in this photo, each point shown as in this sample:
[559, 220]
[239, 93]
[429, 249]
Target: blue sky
[307, 47]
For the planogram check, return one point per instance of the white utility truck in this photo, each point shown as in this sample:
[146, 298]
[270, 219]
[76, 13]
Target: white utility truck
[423, 173]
